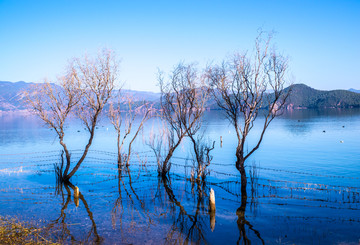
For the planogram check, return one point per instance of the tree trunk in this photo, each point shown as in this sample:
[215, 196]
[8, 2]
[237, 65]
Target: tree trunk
[198, 160]
[241, 221]
[240, 165]
[77, 166]
[68, 156]
[164, 166]
[195, 150]
[119, 159]
[119, 149]
[164, 169]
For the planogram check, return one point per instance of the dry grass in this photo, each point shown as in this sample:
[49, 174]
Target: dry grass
[13, 231]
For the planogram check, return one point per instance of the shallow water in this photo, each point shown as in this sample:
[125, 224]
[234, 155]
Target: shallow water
[307, 190]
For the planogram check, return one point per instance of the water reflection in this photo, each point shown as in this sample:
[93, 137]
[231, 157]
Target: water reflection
[192, 225]
[177, 201]
[135, 206]
[243, 224]
[302, 122]
[187, 223]
[310, 189]
[60, 224]
[313, 114]
[133, 201]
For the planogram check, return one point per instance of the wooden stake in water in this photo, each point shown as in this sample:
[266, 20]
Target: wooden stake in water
[212, 209]
[76, 191]
[212, 200]
[221, 141]
[76, 196]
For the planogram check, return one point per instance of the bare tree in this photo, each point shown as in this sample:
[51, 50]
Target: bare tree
[239, 87]
[202, 150]
[125, 122]
[182, 105]
[54, 104]
[160, 143]
[83, 92]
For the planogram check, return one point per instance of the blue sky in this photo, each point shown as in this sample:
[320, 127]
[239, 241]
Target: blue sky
[37, 38]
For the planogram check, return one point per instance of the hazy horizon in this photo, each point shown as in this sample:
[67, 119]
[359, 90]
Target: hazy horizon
[147, 91]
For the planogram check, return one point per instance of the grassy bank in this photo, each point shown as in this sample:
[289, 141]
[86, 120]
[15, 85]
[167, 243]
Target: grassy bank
[13, 231]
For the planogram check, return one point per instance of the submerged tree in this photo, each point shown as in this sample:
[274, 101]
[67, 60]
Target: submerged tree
[54, 104]
[160, 143]
[203, 157]
[124, 122]
[240, 87]
[182, 105]
[82, 92]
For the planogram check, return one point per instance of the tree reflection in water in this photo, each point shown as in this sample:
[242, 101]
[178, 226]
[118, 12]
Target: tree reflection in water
[242, 223]
[162, 207]
[171, 209]
[176, 201]
[192, 225]
[64, 231]
[133, 205]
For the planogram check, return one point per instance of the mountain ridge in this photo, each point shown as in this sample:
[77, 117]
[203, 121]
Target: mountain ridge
[12, 97]
[304, 97]
[354, 90]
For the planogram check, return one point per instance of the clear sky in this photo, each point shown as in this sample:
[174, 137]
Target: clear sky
[37, 38]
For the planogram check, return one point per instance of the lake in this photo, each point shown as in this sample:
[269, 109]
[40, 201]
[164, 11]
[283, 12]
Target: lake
[305, 190]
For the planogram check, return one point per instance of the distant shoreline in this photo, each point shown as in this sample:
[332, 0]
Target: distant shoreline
[303, 97]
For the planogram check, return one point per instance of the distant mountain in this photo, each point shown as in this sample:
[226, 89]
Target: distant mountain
[354, 90]
[305, 97]
[12, 97]
[142, 95]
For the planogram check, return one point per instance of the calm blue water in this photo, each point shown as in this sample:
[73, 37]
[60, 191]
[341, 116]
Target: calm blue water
[307, 190]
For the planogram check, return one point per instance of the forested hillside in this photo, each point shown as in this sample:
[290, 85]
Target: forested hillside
[303, 96]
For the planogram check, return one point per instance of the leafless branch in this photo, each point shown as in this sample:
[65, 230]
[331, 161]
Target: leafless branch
[239, 86]
[124, 121]
[183, 99]
[83, 91]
